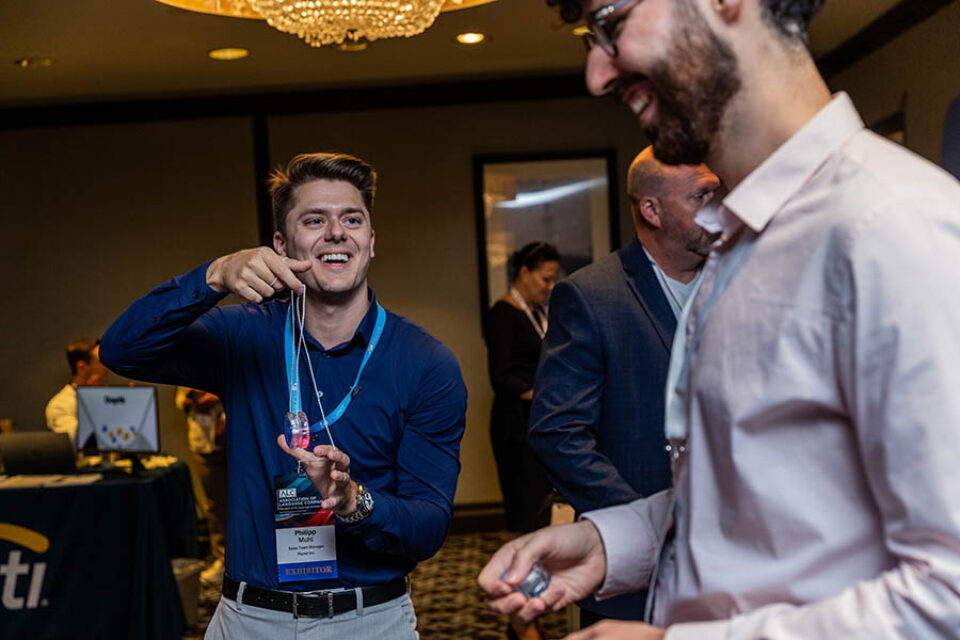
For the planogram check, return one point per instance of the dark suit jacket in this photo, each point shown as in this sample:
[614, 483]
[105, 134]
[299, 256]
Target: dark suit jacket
[597, 416]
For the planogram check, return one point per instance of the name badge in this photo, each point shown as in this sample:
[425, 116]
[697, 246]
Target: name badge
[306, 540]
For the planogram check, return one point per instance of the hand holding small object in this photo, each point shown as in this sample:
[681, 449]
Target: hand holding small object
[534, 584]
[329, 471]
[571, 555]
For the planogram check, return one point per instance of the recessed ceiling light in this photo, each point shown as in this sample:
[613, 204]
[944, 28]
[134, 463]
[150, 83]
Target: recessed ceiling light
[228, 53]
[470, 38]
[40, 61]
[581, 31]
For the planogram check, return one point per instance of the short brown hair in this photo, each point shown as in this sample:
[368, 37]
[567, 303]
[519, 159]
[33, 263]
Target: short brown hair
[308, 167]
[81, 351]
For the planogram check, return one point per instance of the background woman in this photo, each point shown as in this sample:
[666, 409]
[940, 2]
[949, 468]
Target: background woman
[515, 327]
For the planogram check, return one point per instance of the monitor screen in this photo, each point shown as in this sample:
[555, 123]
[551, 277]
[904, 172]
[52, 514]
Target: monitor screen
[118, 419]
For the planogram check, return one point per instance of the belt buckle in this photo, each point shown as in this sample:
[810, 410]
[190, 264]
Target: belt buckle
[314, 594]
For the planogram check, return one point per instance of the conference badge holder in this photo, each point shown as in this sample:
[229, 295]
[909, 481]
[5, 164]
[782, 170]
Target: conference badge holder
[305, 533]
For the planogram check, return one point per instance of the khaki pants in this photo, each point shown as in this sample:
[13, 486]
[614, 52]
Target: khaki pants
[393, 620]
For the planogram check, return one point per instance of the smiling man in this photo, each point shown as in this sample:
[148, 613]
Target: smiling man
[343, 420]
[812, 404]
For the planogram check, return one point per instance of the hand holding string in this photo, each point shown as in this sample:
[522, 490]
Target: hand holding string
[255, 274]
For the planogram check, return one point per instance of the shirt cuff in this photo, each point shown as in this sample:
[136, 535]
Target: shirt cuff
[698, 630]
[194, 288]
[631, 548]
[371, 526]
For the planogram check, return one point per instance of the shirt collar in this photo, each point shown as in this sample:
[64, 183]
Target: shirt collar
[364, 330]
[763, 193]
[714, 217]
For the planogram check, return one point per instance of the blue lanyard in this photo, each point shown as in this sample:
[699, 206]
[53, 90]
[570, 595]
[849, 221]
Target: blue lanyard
[293, 373]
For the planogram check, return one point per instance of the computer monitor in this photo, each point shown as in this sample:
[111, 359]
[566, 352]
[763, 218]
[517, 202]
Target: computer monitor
[120, 419]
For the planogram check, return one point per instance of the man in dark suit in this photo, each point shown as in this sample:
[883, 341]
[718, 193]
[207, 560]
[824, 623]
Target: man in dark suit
[597, 416]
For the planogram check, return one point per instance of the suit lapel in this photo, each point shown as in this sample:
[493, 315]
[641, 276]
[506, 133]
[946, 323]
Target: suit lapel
[643, 282]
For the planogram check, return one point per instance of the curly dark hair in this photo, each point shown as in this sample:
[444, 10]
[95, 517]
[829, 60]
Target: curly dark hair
[790, 17]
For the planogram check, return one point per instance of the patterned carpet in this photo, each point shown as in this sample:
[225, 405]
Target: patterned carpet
[444, 591]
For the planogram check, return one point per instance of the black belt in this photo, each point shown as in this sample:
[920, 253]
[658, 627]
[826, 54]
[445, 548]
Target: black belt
[314, 604]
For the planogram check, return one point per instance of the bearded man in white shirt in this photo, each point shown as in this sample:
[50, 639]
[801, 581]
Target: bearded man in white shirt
[812, 410]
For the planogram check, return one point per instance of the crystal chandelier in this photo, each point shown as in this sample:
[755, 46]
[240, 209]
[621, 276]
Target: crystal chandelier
[321, 22]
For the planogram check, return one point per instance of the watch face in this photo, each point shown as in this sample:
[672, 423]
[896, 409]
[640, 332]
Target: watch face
[364, 506]
[364, 502]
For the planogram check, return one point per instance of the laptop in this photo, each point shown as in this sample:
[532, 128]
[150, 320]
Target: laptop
[37, 452]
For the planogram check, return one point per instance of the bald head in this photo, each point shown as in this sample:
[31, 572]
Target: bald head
[646, 175]
[665, 199]
[653, 183]
[650, 177]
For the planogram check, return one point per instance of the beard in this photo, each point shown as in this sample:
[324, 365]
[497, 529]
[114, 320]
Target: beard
[700, 245]
[688, 237]
[693, 89]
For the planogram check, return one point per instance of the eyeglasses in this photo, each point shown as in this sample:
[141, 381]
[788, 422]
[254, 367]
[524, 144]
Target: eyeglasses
[603, 28]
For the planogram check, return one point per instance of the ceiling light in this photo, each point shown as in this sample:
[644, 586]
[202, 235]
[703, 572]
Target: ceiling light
[321, 22]
[470, 38]
[532, 198]
[228, 53]
[41, 61]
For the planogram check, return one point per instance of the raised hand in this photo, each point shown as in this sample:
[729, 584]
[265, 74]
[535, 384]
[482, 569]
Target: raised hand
[329, 471]
[573, 554]
[255, 274]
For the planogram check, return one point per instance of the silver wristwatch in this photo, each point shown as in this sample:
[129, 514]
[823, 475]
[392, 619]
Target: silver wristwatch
[364, 506]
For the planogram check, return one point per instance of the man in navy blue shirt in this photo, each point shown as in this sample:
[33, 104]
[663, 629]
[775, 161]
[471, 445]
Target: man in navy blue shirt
[345, 510]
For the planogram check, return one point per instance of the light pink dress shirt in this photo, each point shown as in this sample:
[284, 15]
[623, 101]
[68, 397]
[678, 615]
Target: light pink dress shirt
[819, 494]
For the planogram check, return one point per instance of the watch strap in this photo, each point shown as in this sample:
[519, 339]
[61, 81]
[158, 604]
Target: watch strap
[364, 506]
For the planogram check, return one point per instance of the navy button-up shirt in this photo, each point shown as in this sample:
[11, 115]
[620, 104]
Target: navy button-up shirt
[402, 431]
